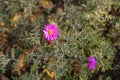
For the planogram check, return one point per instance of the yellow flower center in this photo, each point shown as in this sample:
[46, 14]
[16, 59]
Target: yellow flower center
[50, 32]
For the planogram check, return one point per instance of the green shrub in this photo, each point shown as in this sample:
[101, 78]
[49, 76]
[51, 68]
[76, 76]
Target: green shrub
[81, 30]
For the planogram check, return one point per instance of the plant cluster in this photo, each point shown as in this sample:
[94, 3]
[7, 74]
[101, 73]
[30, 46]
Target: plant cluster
[58, 39]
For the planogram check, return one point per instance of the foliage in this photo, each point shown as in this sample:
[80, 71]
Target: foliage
[85, 29]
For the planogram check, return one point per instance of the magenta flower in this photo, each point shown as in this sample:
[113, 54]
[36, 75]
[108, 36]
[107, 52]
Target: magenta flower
[50, 32]
[91, 63]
